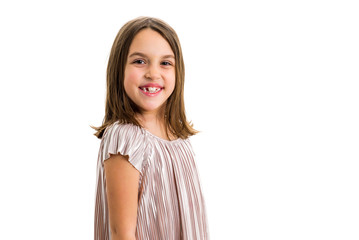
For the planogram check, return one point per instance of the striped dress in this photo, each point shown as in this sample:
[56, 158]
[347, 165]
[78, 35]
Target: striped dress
[170, 201]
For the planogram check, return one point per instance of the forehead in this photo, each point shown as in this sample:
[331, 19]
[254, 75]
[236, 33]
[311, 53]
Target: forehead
[151, 43]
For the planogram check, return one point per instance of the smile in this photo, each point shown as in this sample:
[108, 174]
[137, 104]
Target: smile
[150, 91]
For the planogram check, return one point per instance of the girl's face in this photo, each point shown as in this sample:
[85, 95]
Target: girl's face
[150, 71]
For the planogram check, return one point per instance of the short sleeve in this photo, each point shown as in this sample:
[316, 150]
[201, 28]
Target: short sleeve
[128, 140]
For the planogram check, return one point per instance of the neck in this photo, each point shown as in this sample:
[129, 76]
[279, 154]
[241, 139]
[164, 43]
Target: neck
[155, 123]
[151, 119]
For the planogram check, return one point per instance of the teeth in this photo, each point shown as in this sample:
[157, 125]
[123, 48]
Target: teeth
[151, 89]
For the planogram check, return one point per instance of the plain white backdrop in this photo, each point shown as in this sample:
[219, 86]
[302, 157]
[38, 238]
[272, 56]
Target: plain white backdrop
[271, 85]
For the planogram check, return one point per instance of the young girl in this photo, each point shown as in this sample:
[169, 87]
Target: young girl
[148, 187]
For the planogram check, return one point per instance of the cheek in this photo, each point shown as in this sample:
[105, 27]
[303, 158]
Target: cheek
[172, 81]
[131, 78]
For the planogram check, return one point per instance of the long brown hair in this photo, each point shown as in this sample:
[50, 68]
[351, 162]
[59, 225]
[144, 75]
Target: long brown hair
[119, 107]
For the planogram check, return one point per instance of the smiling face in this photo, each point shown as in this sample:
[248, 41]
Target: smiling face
[150, 76]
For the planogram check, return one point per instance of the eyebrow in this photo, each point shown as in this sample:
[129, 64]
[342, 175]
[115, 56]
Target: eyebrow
[144, 55]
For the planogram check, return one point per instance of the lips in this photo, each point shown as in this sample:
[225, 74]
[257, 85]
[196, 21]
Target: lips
[151, 89]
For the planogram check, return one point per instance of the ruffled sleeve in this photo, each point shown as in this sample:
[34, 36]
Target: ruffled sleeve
[128, 140]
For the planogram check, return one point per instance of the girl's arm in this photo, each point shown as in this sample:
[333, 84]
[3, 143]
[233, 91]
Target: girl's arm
[122, 193]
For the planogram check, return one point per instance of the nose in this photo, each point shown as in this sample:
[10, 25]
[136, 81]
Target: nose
[153, 72]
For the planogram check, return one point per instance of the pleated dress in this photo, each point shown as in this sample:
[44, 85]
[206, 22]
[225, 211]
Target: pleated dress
[171, 205]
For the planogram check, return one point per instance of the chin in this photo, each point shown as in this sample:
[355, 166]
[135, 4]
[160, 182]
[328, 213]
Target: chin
[151, 108]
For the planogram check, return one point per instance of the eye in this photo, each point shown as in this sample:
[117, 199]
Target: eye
[139, 61]
[166, 63]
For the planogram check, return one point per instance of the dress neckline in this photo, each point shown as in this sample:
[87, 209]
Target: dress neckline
[161, 139]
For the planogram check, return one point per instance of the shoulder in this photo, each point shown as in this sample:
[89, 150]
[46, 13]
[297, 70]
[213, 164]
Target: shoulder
[123, 130]
[125, 139]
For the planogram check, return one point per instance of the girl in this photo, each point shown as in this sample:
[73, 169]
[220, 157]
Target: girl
[148, 187]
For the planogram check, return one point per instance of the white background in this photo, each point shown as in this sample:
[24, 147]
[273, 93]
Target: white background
[271, 85]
